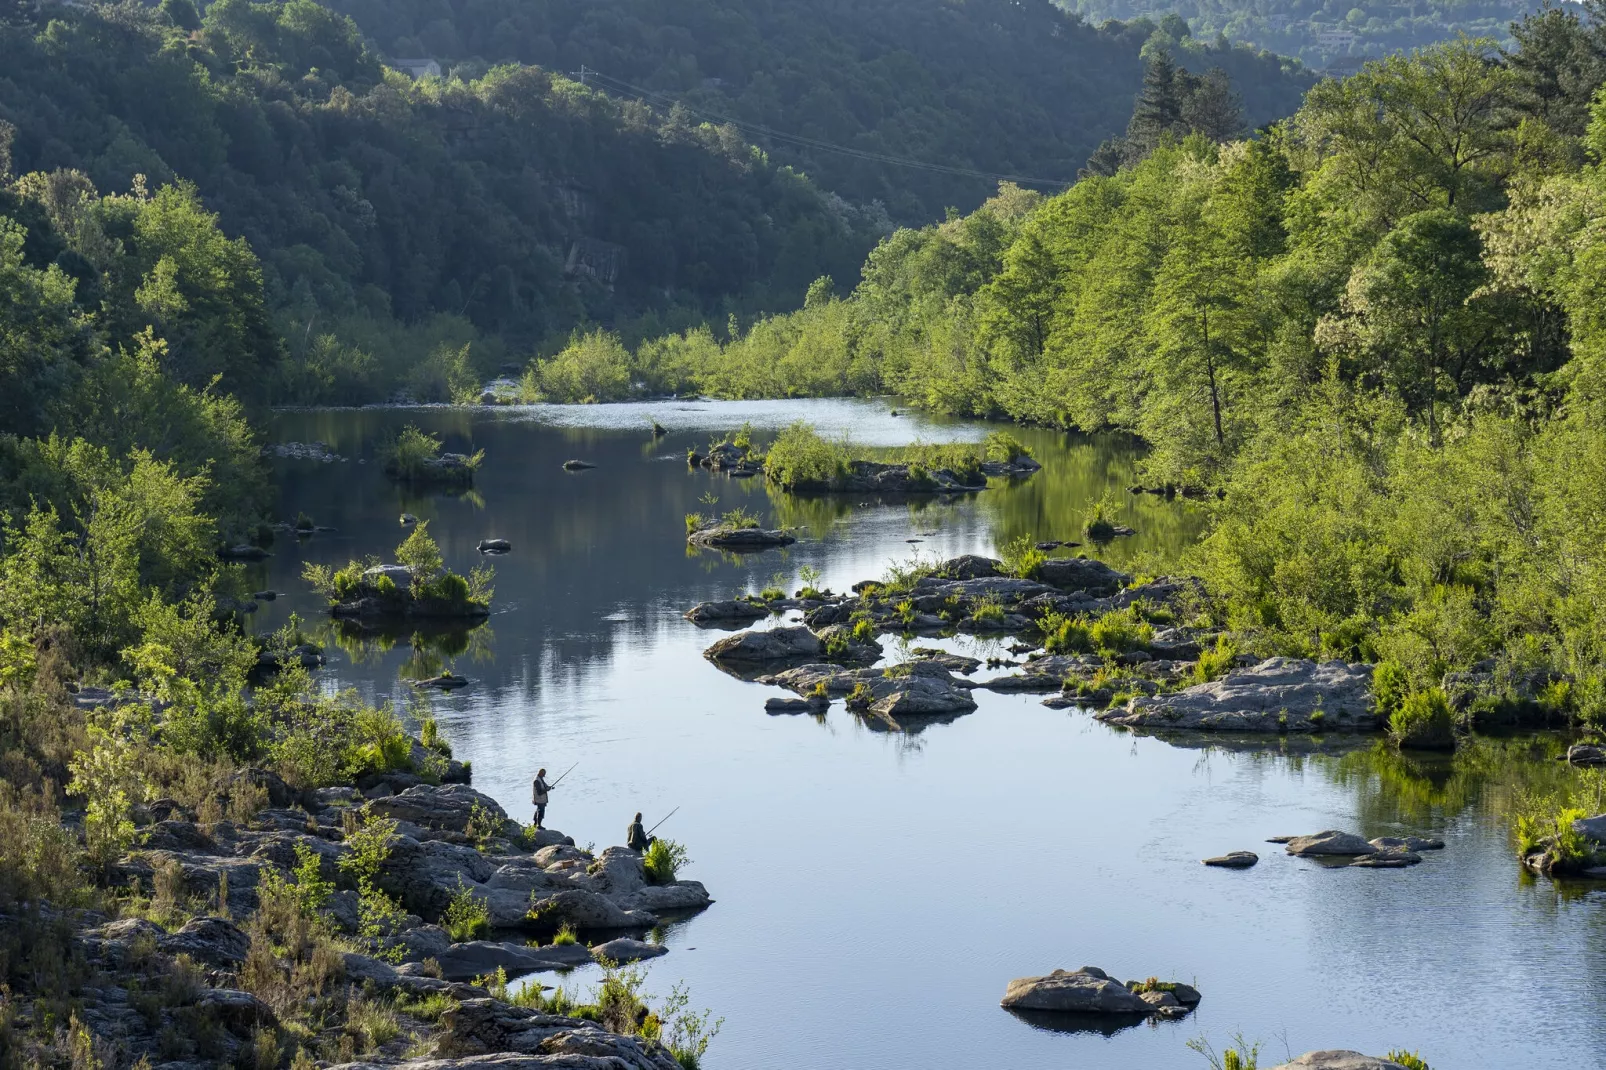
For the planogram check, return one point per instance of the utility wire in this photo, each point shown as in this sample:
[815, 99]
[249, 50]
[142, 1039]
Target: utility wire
[588, 76]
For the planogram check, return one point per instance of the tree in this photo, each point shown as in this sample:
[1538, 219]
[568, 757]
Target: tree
[1412, 306]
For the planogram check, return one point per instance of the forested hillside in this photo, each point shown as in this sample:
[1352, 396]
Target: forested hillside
[1003, 86]
[504, 209]
[1321, 32]
[1377, 330]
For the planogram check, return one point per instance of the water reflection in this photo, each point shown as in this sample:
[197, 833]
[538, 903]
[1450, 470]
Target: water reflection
[884, 886]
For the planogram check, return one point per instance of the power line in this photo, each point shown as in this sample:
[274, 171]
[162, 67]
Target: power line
[589, 75]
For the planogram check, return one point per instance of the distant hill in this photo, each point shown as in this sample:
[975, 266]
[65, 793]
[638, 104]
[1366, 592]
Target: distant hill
[1324, 33]
[1015, 87]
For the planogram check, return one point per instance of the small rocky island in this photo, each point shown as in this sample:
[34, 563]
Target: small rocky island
[802, 462]
[1091, 991]
[415, 457]
[419, 588]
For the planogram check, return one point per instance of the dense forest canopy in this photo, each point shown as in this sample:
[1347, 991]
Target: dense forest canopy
[512, 206]
[1321, 32]
[1014, 87]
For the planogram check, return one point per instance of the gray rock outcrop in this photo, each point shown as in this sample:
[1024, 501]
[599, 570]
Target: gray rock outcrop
[732, 613]
[1088, 990]
[1233, 860]
[1329, 842]
[1338, 1060]
[739, 540]
[774, 644]
[1279, 694]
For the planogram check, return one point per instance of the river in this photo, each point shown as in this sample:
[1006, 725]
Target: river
[875, 891]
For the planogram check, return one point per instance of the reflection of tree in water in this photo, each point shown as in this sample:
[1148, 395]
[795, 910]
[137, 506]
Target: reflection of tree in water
[1495, 776]
[430, 650]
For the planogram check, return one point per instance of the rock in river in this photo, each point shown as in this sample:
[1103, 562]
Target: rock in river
[482, 958]
[1086, 991]
[624, 949]
[494, 546]
[1233, 860]
[1338, 1060]
[1279, 694]
[1330, 842]
[728, 614]
[739, 540]
[775, 644]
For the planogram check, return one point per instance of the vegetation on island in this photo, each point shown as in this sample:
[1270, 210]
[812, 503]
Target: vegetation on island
[369, 589]
[414, 456]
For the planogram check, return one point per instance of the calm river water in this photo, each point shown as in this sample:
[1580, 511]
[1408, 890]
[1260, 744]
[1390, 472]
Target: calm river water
[876, 891]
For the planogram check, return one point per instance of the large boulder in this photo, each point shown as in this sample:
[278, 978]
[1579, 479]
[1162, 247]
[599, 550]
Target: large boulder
[1338, 1060]
[969, 567]
[1592, 828]
[739, 540]
[443, 807]
[624, 950]
[774, 644]
[1088, 990]
[486, 1034]
[482, 958]
[1331, 842]
[732, 613]
[213, 941]
[1279, 694]
[585, 910]
[1081, 574]
[918, 695]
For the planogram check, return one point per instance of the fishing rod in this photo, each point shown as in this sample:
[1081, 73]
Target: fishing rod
[566, 772]
[666, 818]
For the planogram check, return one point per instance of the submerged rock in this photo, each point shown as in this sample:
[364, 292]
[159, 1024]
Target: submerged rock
[1233, 860]
[1391, 858]
[494, 546]
[812, 704]
[739, 540]
[573, 465]
[1407, 843]
[1279, 694]
[482, 958]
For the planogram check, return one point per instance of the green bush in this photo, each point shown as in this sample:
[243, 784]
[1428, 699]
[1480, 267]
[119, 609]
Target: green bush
[467, 916]
[799, 457]
[740, 518]
[591, 368]
[1064, 634]
[1120, 631]
[566, 936]
[1003, 446]
[1214, 664]
[1099, 523]
[1390, 686]
[1022, 558]
[1423, 722]
[663, 860]
[1408, 1059]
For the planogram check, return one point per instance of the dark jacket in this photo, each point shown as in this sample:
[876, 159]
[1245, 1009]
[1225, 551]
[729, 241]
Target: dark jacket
[636, 837]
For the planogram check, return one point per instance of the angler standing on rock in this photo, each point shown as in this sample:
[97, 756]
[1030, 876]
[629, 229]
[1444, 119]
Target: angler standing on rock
[539, 797]
[636, 837]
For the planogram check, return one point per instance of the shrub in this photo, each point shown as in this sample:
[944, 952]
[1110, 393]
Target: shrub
[591, 368]
[663, 859]
[799, 457]
[1390, 686]
[1408, 1059]
[686, 1034]
[407, 455]
[987, 608]
[1022, 558]
[1120, 631]
[860, 697]
[1064, 634]
[467, 916]
[566, 935]
[1099, 523]
[739, 518]
[1423, 722]
[1214, 664]
[1003, 446]
[429, 734]
[864, 631]
[698, 522]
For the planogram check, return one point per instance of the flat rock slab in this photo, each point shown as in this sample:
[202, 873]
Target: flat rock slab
[739, 540]
[1022, 683]
[1338, 1060]
[1279, 694]
[480, 958]
[1081, 574]
[1330, 842]
[1088, 990]
[1586, 754]
[1393, 858]
[733, 612]
[624, 950]
[1233, 860]
[813, 704]
[774, 644]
